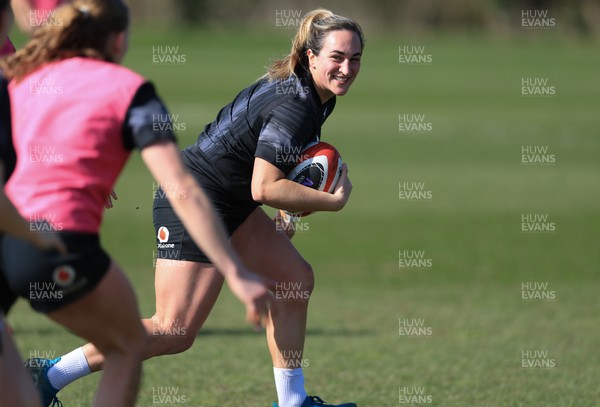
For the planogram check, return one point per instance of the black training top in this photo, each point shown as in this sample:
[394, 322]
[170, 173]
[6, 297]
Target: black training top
[272, 120]
[147, 120]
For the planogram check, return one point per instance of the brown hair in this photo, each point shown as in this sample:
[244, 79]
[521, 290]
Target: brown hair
[79, 28]
[313, 29]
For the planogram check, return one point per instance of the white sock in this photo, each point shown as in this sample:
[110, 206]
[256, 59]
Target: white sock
[69, 368]
[290, 387]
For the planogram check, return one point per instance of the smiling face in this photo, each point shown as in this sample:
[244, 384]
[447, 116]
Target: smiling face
[337, 65]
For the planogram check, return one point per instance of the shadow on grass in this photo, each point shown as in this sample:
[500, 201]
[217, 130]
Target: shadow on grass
[214, 332]
[309, 332]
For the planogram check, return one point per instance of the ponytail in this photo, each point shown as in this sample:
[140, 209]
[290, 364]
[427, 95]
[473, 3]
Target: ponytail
[313, 29]
[80, 28]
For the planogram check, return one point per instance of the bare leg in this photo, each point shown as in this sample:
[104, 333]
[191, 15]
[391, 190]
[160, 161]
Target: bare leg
[270, 253]
[185, 295]
[117, 333]
[16, 386]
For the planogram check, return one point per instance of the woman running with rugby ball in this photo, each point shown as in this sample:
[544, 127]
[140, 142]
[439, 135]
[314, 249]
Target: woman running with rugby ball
[241, 160]
[76, 116]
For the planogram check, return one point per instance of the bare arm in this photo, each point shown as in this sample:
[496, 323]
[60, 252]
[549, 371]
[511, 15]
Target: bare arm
[193, 207]
[270, 187]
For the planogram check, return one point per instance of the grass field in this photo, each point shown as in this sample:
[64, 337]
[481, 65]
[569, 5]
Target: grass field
[477, 331]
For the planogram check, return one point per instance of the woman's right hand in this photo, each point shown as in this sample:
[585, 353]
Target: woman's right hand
[251, 290]
[50, 241]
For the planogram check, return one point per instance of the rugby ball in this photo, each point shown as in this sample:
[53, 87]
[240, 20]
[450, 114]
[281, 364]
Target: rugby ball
[319, 167]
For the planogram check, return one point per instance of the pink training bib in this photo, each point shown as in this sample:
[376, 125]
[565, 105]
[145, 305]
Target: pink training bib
[67, 122]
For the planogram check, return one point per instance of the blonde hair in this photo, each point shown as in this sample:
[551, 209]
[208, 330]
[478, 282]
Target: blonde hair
[79, 28]
[313, 29]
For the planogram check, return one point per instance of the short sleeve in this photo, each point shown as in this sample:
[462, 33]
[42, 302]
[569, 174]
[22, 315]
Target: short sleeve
[285, 132]
[147, 120]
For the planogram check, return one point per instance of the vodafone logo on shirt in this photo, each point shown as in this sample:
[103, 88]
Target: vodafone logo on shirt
[163, 238]
[64, 275]
[163, 234]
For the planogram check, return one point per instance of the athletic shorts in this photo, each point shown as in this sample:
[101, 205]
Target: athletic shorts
[48, 280]
[173, 242]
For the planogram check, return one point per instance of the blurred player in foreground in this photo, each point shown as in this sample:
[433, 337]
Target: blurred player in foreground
[76, 116]
[16, 386]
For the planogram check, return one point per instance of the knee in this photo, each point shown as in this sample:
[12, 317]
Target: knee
[171, 337]
[297, 287]
[308, 277]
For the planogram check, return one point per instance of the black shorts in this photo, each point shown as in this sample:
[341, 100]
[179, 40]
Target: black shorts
[48, 280]
[173, 242]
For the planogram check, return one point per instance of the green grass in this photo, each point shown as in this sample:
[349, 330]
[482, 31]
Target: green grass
[470, 229]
